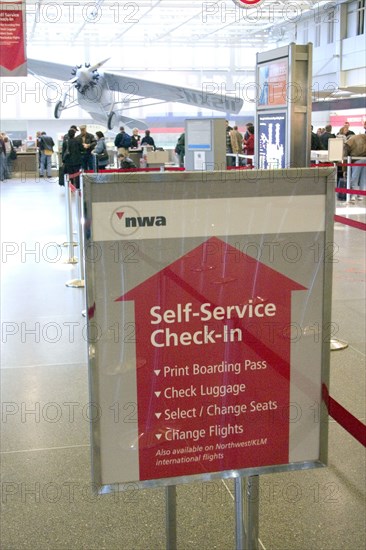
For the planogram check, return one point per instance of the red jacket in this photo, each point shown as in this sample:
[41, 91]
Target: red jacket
[249, 146]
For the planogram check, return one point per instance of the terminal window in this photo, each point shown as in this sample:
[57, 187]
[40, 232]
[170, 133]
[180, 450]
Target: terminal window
[361, 17]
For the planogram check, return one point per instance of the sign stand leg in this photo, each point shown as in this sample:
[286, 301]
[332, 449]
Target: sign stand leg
[247, 512]
[171, 517]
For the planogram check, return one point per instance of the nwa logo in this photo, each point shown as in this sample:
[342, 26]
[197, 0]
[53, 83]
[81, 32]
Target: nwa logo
[127, 220]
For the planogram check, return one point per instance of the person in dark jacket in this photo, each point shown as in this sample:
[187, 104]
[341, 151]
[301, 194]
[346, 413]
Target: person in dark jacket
[88, 143]
[148, 140]
[122, 141]
[46, 145]
[72, 151]
[180, 149]
[3, 166]
[125, 162]
[316, 144]
[324, 138]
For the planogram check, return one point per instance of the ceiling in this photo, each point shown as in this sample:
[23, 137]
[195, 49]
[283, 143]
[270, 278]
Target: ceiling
[165, 22]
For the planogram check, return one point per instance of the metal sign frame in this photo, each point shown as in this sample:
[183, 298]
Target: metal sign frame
[117, 265]
[284, 78]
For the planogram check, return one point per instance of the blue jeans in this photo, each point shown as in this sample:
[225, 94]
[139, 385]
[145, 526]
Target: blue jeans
[45, 165]
[358, 175]
[87, 162]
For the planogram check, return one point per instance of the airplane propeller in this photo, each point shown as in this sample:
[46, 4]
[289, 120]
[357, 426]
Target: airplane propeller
[86, 77]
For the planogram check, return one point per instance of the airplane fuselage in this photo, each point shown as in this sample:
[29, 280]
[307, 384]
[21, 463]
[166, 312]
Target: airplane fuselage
[96, 99]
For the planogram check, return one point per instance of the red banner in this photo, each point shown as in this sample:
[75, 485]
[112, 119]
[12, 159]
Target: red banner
[355, 121]
[12, 40]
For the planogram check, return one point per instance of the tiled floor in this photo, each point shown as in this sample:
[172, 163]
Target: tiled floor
[47, 502]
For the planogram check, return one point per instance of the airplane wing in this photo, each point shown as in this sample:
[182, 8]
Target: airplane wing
[144, 88]
[339, 93]
[49, 69]
[168, 92]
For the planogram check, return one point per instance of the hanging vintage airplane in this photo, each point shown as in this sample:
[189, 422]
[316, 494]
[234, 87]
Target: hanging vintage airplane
[105, 95]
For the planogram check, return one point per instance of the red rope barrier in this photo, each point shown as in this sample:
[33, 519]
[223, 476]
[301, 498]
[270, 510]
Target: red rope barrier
[351, 223]
[321, 164]
[113, 171]
[350, 191]
[349, 422]
[344, 418]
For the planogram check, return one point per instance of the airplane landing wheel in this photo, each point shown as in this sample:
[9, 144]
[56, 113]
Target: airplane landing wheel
[112, 120]
[58, 109]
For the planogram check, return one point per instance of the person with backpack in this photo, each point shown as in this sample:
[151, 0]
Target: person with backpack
[122, 142]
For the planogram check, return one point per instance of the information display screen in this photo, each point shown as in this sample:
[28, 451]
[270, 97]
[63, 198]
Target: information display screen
[272, 140]
[199, 135]
[273, 83]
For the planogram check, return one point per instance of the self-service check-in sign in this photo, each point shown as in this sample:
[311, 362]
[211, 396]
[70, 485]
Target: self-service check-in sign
[213, 388]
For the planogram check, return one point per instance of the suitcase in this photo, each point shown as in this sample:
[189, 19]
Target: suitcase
[61, 174]
[342, 183]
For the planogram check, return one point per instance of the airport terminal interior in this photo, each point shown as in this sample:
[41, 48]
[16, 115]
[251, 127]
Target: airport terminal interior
[48, 371]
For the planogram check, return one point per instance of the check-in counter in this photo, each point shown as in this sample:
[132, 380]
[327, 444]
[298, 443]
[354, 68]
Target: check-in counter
[136, 156]
[157, 158]
[26, 163]
[319, 156]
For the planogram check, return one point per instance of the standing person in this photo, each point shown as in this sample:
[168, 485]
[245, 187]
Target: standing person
[9, 153]
[3, 166]
[46, 145]
[230, 161]
[246, 133]
[148, 140]
[348, 132]
[72, 152]
[135, 139]
[101, 151]
[180, 149]
[38, 145]
[355, 146]
[324, 138]
[122, 141]
[88, 143]
[342, 133]
[249, 144]
[246, 137]
[236, 142]
[239, 137]
[316, 144]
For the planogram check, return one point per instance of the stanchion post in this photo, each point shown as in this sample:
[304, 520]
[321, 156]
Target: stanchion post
[247, 512]
[171, 517]
[79, 283]
[349, 173]
[69, 226]
[80, 233]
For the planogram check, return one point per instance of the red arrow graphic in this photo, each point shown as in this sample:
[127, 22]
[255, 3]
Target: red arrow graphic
[214, 324]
